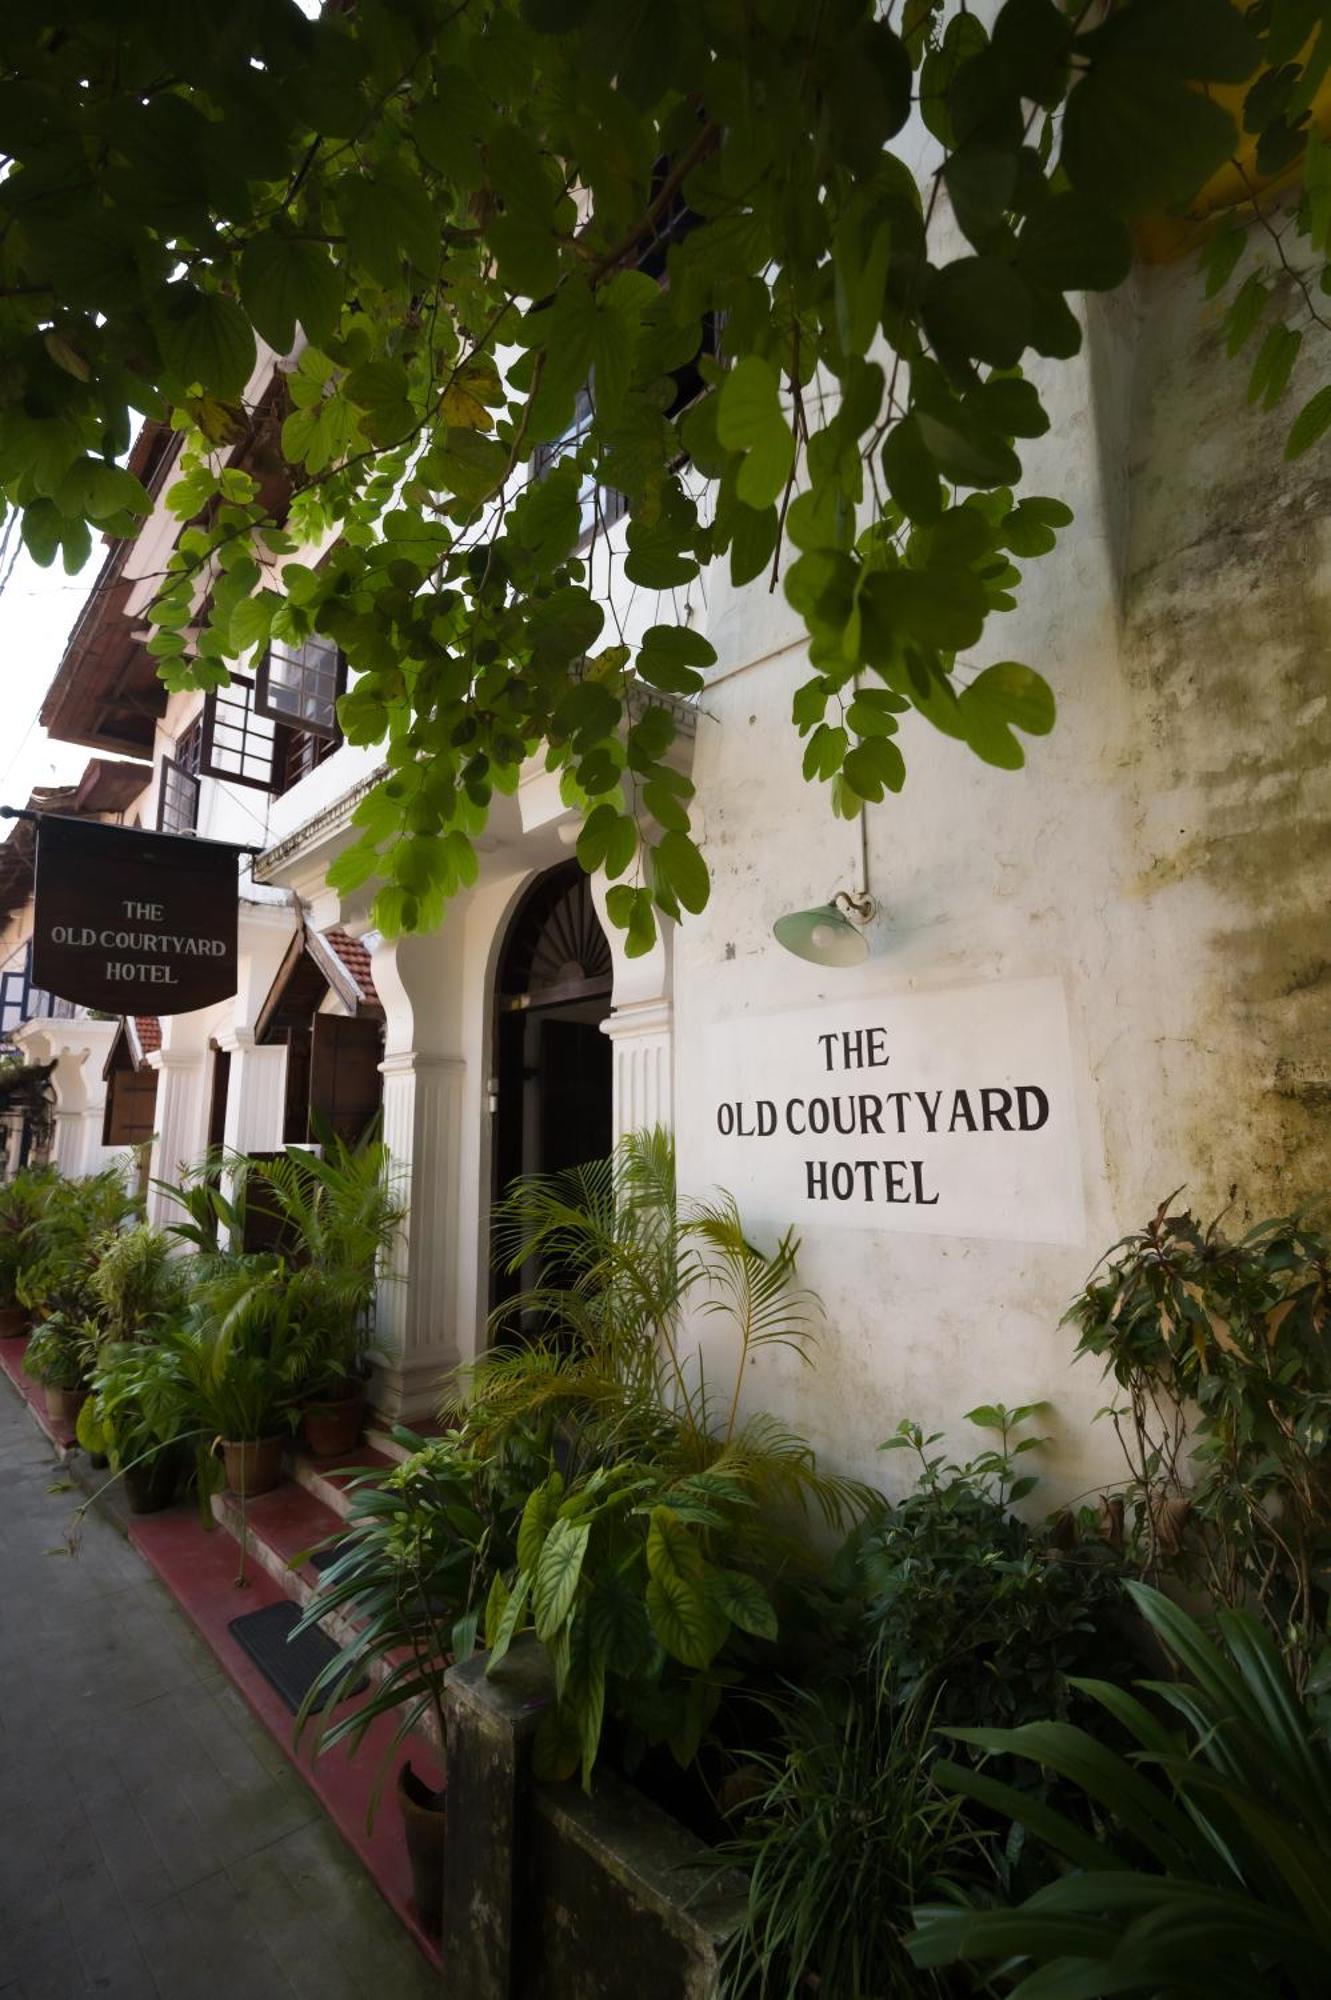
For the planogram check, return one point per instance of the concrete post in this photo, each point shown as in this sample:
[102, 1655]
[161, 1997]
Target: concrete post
[489, 1722]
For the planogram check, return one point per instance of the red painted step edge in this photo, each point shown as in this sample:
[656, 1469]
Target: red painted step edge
[199, 1568]
[12, 1351]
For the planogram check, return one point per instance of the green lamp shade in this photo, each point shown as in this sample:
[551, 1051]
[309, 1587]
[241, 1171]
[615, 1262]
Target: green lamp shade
[823, 935]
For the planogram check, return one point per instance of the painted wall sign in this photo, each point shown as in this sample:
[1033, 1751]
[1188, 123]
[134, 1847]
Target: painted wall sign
[948, 1113]
[130, 922]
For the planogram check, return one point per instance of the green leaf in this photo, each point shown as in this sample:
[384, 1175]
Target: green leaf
[1274, 365]
[684, 1619]
[873, 767]
[557, 1572]
[967, 451]
[284, 282]
[1312, 422]
[1246, 308]
[979, 306]
[932, 608]
[683, 870]
[910, 471]
[205, 339]
[1000, 700]
[1072, 243]
[1029, 530]
[670, 656]
[510, 1620]
[1136, 137]
[749, 419]
[744, 1602]
[540, 1511]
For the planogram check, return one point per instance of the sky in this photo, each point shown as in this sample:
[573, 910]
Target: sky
[37, 610]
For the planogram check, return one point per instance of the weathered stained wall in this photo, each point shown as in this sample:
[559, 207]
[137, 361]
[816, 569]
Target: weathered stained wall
[1164, 855]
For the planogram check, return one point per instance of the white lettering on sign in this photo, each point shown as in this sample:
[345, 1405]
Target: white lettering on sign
[172, 944]
[949, 1113]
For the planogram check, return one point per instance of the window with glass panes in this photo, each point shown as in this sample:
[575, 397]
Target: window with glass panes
[178, 790]
[300, 685]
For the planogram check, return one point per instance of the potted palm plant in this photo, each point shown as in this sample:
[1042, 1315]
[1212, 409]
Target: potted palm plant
[59, 1356]
[416, 1557]
[336, 1216]
[242, 1357]
[134, 1416]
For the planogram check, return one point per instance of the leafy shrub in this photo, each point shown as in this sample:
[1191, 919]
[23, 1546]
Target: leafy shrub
[137, 1284]
[660, 1513]
[415, 1560]
[646, 1519]
[22, 1203]
[1222, 1349]
[967, 1605]
[64, 1242]
[60, 1353]
[1207, 1878]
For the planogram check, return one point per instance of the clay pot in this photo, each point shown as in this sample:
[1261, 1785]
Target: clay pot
[254, 1465]
[425, 1822]
[14, 1320]
[331, 1428]
[63, 1406]
[151, 1485]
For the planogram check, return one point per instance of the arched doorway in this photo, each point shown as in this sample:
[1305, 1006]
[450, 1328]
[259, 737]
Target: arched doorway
[553, 1077]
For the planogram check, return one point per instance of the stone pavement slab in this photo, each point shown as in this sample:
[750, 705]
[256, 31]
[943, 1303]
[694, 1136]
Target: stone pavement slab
[153, 1839]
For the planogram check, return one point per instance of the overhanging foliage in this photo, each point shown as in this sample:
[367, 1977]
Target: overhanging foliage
[472, 210]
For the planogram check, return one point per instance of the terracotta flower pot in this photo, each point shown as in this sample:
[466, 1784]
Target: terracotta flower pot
[425, 1822]
[254, 1465]
[331, 1427]
[63, 1406]
[151, 1485]
[14, 1320]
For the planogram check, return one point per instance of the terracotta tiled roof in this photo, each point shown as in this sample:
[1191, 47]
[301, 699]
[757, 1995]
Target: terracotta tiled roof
[355, 956]
[149, 1031]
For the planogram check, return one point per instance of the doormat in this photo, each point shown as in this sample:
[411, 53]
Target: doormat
[323, 1559]
[291, 1666]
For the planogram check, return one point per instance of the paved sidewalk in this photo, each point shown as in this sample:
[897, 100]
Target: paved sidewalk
[153, 1839]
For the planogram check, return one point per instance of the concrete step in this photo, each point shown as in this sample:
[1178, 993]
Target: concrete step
[328, 1480]
[277, 1530]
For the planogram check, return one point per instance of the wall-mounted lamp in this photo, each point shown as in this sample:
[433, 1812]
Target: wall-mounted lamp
[832, 933]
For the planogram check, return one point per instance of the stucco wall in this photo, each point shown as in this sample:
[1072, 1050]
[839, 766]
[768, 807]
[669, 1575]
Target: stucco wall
[1163, 855]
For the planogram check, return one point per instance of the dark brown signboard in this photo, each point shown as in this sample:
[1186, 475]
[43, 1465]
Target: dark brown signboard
[130, 922]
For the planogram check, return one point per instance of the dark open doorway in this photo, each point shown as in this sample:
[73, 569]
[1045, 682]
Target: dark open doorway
[552, 1065]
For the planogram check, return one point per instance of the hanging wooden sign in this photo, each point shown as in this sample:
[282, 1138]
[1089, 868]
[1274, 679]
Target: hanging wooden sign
[130, 922]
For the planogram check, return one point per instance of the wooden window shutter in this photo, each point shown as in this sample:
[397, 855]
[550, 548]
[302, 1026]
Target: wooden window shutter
[131, 1107]
[346, 1089]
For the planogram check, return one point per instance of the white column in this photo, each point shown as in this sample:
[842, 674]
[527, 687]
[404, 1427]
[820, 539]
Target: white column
[416, 1322]
[419, 980]
[68, 1151]
[255, 1093]
[641, 1026]
[182, 1123]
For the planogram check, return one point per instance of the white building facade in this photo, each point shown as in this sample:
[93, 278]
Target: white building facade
[1089, 983]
